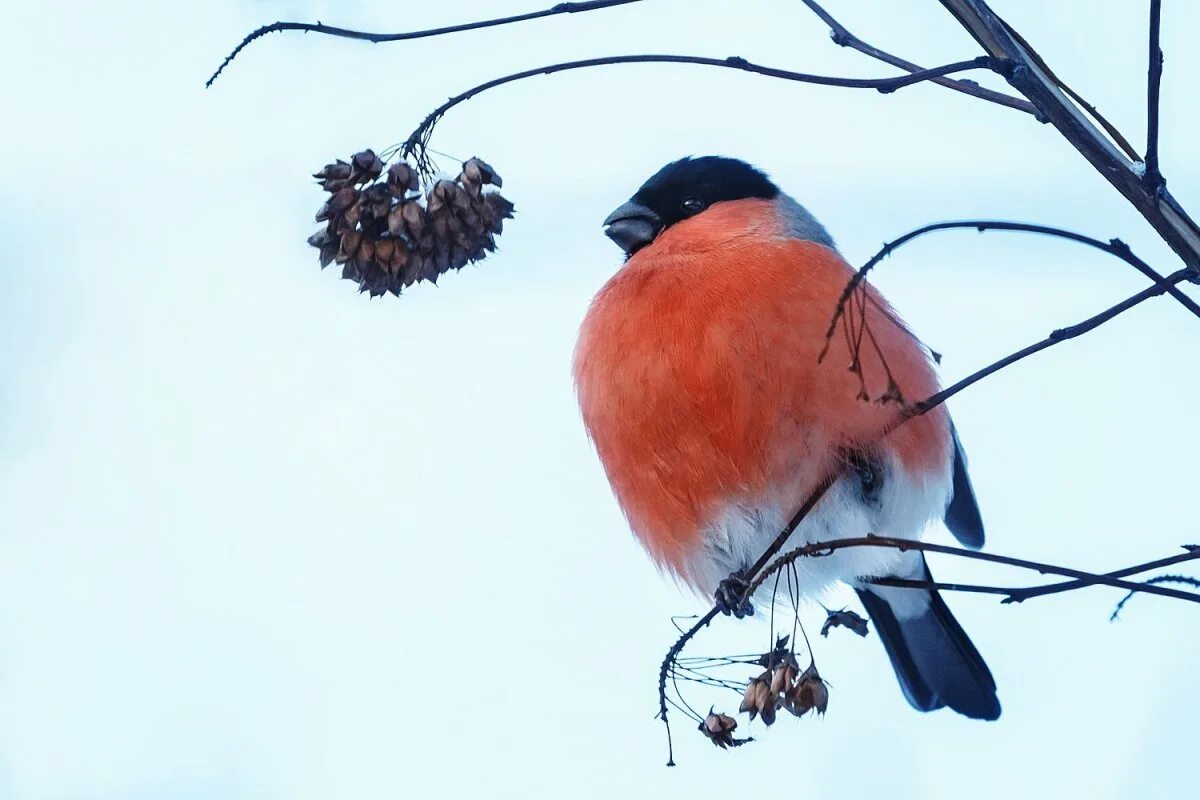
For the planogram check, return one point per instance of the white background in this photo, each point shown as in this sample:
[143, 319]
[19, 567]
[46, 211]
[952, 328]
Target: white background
[261, 537]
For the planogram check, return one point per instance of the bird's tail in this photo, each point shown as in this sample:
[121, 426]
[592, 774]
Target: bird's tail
[934, 659]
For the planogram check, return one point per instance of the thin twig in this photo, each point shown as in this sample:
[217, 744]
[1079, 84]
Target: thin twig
[818, 549]
[1153, 177]
[1025, 73]
[377, 38]
[420, 137]
[841, 36]
[1055, 337]
[1117, 137]
[664, 672]
[1185, 580]
[1021, 595]
[1017, 594]
[1114, 247]
[758, 572]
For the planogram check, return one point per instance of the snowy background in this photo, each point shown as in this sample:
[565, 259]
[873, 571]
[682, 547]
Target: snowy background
[261, 537]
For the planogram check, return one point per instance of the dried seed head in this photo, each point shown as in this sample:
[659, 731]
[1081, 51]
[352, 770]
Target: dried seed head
[415, 218]
[367, 166]
[809, 692]
[342, 199]
[844, 619]
[719, 729]
[718, 723]
[350, 242]
[338, 169]
[478, 167]
[387, 239]
[402, 178]
[783, 677]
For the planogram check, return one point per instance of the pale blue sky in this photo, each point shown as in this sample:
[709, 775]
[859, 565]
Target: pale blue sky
[263, 538]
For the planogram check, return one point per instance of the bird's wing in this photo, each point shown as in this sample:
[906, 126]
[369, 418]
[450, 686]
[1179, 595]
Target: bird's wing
[962, 515]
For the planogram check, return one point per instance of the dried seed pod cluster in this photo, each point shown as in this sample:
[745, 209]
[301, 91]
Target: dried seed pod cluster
[784, 686]
[384, 237]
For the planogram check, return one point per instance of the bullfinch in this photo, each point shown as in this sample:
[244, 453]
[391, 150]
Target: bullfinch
[700, 384]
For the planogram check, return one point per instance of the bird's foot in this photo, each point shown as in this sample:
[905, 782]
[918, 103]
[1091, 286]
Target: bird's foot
[731, 596]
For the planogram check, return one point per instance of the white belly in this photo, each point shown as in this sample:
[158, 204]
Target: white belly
[741, 532]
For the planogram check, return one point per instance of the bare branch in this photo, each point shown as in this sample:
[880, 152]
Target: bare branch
[1153, 177]
[1117, 137]
[1022, 595]
[841, 36]
[1185, 580]
[758, 573]
[818, 549]
[1018, 594]
[377, 38]
[416, 142]
[1114, 247]
[1025, 74]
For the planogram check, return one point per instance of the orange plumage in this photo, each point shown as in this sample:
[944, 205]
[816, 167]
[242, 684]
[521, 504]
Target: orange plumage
[700, 382]
[698, 376]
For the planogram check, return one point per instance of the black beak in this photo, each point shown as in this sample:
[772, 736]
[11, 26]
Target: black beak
[632, 227]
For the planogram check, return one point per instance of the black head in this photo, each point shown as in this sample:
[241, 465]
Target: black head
[680, 190]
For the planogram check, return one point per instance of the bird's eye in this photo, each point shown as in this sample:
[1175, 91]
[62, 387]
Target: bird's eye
[693, 205]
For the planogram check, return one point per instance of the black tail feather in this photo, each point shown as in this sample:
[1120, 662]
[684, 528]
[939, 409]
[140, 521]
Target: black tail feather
[934, 659]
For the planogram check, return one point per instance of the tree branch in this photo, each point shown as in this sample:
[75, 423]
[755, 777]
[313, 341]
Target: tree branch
[844, 38]
[1185, 580]
[1153, 177]
[1022, 595]
[1025, 75]
[1114, 247]
[818, 549]
[377, 38]
[757, 574]
[415, 144]
[1018, 594]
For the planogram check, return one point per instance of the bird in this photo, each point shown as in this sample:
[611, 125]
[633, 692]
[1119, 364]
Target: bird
[702, 385]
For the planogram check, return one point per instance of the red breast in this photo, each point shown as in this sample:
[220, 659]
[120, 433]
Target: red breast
[698, 376]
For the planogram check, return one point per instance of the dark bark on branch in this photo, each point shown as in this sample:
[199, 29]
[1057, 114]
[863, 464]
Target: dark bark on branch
[1185, 580]
[1068, 586]
[1017, 594]
[818, 549]
[415, 144]
[1154, 203]
[758, 574]
[1114, 247]
[377, 38]
[1154, 82]
[844, 38]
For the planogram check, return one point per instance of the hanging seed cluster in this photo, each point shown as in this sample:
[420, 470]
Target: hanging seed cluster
[784, 686]
[387, 235]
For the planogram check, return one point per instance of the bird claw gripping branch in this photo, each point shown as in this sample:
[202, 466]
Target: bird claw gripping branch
[386, 240]
[731, 596]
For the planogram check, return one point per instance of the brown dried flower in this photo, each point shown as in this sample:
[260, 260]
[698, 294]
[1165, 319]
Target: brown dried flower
[387, 240]
[759, 699]
[719, 729]
[809, 692]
